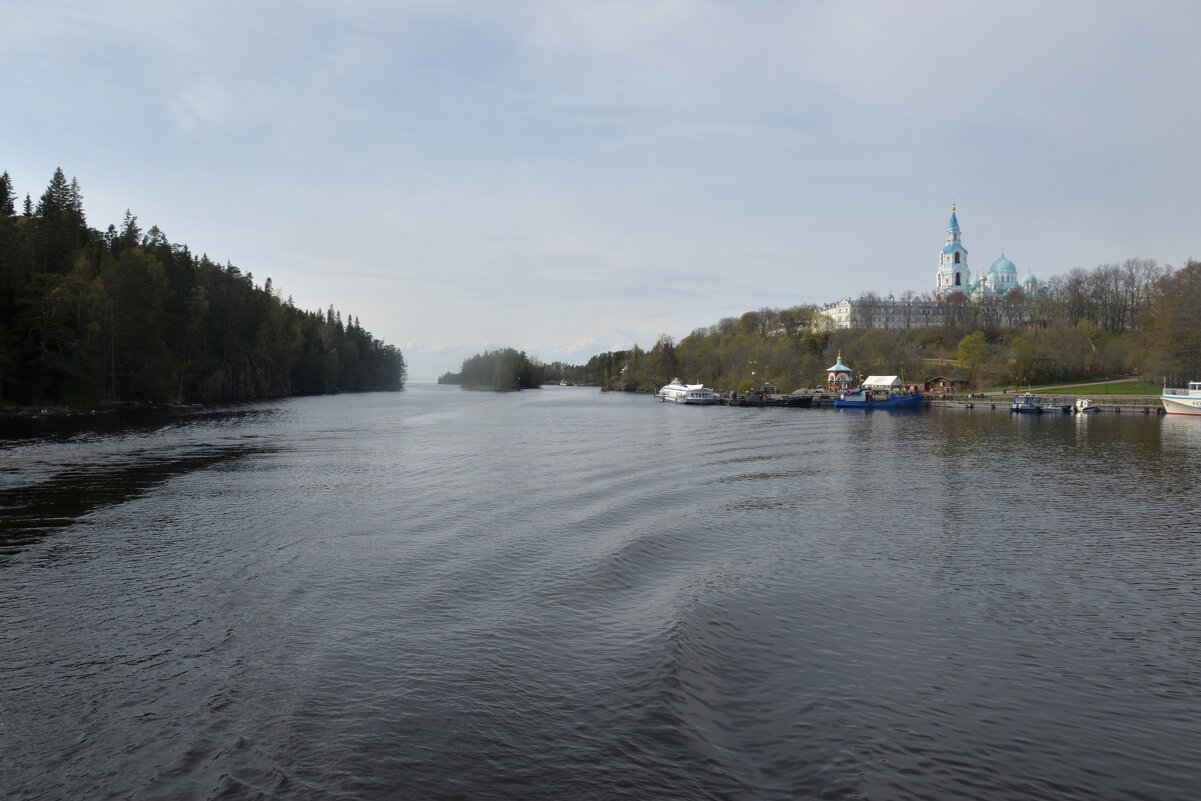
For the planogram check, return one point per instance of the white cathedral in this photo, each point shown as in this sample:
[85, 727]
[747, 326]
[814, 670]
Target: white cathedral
[952, 278]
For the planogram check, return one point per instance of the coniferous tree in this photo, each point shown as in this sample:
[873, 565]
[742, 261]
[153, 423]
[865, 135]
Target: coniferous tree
[8, 198]
[87, 317]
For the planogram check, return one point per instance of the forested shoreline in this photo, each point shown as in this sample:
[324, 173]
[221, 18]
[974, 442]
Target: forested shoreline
[92, 318]
[1137, 317]
[1134, 317]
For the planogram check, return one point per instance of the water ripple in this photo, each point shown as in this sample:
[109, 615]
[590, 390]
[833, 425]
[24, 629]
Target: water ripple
[569, 594]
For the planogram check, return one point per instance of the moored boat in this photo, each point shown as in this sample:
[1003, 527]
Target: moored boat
[1033, 404]
[1027, 404]
[1083, 405]
[687, 393]
[1182, 401]
[878, 399]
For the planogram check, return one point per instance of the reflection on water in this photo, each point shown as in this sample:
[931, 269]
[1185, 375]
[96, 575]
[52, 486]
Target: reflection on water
[569, 594]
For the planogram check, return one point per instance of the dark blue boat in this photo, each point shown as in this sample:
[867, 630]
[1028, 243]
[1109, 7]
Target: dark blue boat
[879, 399]
[1027, 404]
[1032, 404]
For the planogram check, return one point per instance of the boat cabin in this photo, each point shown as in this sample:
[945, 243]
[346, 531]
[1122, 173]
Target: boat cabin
[888, 383]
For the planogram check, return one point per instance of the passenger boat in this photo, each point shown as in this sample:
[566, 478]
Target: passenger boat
[878, 399]
[1083, 405]
[1182, 401]
[687, 393]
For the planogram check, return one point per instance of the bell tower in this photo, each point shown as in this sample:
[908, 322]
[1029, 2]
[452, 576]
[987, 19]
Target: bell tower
[953, 273]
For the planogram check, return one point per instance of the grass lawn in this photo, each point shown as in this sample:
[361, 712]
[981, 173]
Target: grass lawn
[1102, 388]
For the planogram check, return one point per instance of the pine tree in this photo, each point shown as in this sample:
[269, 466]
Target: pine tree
[75, 205]
[59, 224]
[8, 198]
[131, 234]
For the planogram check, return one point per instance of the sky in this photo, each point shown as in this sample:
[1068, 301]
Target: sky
[568, 177]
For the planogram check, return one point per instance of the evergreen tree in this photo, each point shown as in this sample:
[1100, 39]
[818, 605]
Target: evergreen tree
[8, 198]
[88, 317]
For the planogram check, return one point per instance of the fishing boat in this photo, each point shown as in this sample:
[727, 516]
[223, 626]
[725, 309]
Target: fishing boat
[878, 399]
[687, 393]
[1182, 401]
[1027, 404]
[1032, 404]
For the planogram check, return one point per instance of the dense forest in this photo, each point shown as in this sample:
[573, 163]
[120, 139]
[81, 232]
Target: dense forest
[124, 316]
[1134, 317]
[504, 369]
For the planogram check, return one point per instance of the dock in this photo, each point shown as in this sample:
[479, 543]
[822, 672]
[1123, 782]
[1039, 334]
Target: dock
[814, 400]
[1115, 404]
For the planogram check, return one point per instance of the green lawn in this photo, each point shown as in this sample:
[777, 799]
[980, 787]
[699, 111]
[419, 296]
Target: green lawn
[1101, 388]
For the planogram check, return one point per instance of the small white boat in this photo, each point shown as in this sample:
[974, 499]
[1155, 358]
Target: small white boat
[687, 393]
[1182, 401]
[1083, 405]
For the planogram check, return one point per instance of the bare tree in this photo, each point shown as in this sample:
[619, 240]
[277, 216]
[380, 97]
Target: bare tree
[867, 310]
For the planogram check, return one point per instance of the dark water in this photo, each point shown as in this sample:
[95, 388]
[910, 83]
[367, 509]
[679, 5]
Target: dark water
[565, 594]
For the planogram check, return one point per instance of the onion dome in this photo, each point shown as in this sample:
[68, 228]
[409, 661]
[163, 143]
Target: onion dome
[1029, 278]
[839, 367]
[1003, 266]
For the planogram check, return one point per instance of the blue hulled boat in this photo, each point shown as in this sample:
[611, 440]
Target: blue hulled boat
[1027, 404]
[879, 399]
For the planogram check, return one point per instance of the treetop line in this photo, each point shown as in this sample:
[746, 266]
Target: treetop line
[122, 316]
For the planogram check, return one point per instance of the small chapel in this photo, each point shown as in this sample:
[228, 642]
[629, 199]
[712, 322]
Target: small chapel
[838, 376]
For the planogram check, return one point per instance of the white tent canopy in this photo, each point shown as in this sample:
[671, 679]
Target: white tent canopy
[882, 382]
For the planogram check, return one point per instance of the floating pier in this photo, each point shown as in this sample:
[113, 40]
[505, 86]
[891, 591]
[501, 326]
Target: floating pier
[1000, 403]
[1118, 405]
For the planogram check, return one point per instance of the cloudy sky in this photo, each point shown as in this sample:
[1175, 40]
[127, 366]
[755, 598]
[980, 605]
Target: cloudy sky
[567, 176]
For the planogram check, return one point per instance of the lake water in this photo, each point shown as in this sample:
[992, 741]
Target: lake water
[564, 594]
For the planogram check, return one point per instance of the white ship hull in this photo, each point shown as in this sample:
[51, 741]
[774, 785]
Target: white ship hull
[1182, 401]
[688, 393]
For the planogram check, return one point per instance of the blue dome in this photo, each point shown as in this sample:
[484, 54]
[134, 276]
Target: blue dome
[1003, 265]
[1029, 278]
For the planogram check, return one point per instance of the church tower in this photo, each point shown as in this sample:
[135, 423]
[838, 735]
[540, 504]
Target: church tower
[953, 274]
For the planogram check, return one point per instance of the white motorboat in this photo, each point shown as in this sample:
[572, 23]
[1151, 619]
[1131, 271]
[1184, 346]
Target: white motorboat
[1182, 401]
[1083, 405]
[687, 393]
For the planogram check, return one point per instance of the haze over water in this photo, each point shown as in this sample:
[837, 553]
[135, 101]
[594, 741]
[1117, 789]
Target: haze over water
[567, 594]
